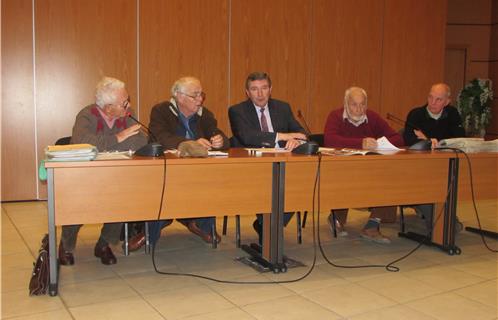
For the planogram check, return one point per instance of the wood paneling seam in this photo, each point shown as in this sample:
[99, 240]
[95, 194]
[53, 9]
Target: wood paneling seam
[34, 99]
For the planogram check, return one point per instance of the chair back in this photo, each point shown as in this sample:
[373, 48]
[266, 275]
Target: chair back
[63, 141]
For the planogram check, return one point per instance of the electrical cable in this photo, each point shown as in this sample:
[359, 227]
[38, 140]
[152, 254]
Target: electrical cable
[469, 162]
[390, 266]
[317, 178]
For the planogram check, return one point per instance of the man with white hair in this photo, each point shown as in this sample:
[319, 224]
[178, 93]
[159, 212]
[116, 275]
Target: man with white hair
[354, 126]
[172, 122]
[105, 125]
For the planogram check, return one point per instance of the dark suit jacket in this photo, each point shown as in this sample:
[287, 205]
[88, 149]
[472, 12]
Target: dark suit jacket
[245, 125]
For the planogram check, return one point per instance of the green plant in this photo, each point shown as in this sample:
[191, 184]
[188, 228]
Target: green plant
[474, 105]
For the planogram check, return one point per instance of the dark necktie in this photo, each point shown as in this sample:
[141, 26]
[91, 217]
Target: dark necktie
[264, 124]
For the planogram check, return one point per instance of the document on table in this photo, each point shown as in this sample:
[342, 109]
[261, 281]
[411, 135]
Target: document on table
[384, 144]
[217, 153]
[114, 155]
[267, 150]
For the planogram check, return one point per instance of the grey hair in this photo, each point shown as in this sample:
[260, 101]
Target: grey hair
[105, 92]
[352, 90]
[181, 83]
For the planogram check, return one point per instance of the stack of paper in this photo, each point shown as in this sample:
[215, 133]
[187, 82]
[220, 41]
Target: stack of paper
[71, 152]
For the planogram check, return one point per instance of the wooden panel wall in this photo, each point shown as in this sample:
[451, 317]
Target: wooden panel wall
[271, 36]
[181, 38]
[472, 26]
[18, 111]
[73, 52]
[493, 68]
[313, 50]
[413, 53]
[347, 51]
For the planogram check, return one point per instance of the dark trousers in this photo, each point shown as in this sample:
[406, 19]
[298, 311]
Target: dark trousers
[109, 234]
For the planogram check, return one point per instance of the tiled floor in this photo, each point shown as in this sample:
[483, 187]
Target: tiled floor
[429, 285]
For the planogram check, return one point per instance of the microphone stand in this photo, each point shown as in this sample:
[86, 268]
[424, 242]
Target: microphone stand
[153, 149]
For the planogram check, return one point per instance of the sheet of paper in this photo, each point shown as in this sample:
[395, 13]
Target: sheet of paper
[267, 150]
[384, 144]
[114, 155]
[215, 153]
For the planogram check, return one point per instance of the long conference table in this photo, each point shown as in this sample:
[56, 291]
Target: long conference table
[92, 192]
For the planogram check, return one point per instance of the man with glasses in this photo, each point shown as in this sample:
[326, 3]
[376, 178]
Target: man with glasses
[172, 122]
[261, 121]
[105, 125]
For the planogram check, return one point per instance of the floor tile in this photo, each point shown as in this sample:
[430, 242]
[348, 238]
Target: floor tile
[19, 303]
[189, 301]
[228, 314]
[244, 294]
[485, 293]
[95, 291]
[398, 287]
[349, 299]
[444, 278]
[119, 309]
[453, 306]
[289, 308]
[392, 313]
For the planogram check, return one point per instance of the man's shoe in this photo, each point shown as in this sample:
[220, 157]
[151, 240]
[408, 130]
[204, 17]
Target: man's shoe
[374, 235]
[339, 228]
[258, 228]
[66, 258]
[136, 242]
[192, 227]
[105, 254]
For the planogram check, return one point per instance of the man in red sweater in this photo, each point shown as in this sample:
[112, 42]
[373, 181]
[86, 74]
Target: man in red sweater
[354, 126]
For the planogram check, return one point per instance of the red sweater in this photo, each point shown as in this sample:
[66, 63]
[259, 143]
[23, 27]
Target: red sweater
[340, 133]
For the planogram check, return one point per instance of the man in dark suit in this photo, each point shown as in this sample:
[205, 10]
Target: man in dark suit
[261, 121]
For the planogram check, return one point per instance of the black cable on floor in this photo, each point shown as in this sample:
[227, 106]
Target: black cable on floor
[193, 275]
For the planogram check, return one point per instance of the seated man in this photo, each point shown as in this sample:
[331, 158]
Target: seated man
[105, 125]
[354, 126]
[436, 120]
[261, 121]
[172, 122]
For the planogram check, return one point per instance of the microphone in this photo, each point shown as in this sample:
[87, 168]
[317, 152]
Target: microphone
[400, 121]
[153, 149]
[154, 139]
[307, 148]
[315, 138]
[300, 116]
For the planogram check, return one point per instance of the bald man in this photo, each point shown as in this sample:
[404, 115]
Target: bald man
[435, 120]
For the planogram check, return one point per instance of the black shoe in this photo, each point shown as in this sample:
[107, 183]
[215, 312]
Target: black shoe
[66, 258]
[105, 254]
[259, 230]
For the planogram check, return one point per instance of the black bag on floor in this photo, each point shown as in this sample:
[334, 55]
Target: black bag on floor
[38, 284]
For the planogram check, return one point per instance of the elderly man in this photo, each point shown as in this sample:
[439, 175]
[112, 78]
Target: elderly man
[105, 125]
[172, 122]
[436, 120]
[354, 126]
[261, 121]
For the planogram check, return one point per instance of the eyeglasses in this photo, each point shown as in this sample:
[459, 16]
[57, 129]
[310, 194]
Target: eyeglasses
[125, 104]
[196, 95]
